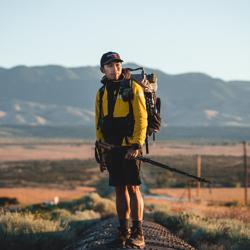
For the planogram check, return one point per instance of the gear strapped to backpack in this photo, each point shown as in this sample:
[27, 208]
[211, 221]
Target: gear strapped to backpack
[153, 103]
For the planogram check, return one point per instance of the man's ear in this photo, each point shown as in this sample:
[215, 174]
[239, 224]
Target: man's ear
[102, 70]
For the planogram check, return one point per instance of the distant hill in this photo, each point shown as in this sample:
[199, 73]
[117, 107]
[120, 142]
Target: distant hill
[54, 95]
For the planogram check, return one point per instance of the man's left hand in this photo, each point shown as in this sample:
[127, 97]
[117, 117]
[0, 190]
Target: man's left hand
[131, 154]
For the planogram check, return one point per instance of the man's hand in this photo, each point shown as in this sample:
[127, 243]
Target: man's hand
[131, 154]
[102, 167]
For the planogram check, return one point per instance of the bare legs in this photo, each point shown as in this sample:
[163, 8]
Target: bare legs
[122, 202]
[129, 201]
[136, 203]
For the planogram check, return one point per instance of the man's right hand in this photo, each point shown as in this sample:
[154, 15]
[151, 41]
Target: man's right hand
[102, 167]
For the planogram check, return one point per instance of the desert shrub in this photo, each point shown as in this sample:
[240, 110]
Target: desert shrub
[93, 201]
[20, 223]
[199, 230]
[64, 215]
[104, 206]
[51, 227]
[231, 203]
[6, 201]
[27, 231]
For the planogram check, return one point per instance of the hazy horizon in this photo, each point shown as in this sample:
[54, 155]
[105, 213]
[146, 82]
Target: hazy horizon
[145, 66]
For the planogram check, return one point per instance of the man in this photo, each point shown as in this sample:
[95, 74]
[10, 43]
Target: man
[122, 122]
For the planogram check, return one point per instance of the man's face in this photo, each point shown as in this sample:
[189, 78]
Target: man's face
[112, 70]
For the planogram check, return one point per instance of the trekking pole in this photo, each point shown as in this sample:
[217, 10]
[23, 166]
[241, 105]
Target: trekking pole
[107, 146]
[161, 165]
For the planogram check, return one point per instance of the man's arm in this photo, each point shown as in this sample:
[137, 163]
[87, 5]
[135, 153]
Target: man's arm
[141, 122]
[140, 116]
[99, 135]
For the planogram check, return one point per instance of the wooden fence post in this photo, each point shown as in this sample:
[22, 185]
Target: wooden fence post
[245, 172]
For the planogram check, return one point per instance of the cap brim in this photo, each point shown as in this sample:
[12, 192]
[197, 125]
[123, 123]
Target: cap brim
[113, 60]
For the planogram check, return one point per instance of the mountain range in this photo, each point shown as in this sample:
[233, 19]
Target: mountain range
[53, 95]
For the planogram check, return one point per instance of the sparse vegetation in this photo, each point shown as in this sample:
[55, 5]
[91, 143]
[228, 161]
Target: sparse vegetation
[66, 173]
[42, 226]
[203, 232]
[52, 227]
[224, 171]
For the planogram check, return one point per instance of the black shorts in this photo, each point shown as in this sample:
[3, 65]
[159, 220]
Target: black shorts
[122, 171]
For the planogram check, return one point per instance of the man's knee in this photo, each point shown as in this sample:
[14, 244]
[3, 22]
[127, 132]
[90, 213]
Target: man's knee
[133, 190]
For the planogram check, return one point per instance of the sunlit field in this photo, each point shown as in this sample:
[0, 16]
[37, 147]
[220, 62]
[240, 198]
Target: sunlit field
[56, 186]
[209, 195]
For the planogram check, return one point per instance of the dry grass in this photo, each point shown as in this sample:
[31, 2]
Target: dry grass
[18, 223]
[206, 233]
[204, 226]
[240, 213]
[52, 227]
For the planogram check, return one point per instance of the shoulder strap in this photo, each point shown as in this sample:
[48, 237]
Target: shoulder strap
[130, 99]
[127, 93]
[112, 97]
[126, 87]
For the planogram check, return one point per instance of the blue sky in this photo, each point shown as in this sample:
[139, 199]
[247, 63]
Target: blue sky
[174, 36]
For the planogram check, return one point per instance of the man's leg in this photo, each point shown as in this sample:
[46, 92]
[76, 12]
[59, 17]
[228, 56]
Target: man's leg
[122, 202]
[136, 203]
[137, 206]
[123, 211]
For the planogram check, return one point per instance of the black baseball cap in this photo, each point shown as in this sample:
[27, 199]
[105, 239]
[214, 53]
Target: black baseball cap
[110, 57]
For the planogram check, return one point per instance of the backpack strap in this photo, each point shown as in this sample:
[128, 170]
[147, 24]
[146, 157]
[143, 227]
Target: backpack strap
[127, 95]
[112, 97]
[146, 143]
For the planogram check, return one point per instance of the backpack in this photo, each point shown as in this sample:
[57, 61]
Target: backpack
[153, 103]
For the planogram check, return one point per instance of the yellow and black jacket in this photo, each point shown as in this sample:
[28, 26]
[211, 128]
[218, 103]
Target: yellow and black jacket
[117, 116]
